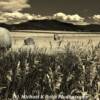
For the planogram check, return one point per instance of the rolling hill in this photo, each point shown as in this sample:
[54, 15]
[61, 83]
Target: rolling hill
[48, 24]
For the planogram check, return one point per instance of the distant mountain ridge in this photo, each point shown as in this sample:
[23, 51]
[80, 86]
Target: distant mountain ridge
[48, 24]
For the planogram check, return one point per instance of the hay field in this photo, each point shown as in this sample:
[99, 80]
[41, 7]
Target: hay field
[43, 38]
[74, 72]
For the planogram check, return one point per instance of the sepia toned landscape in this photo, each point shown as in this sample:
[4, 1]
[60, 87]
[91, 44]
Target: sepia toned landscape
[50, 71]
[49, 50]
[43, 38]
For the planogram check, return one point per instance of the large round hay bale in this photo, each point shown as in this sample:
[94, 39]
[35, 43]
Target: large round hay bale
[29, 41]
[5, 39]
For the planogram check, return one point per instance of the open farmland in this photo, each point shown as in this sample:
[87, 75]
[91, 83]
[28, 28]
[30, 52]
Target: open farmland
[74, 72]
[43, 38]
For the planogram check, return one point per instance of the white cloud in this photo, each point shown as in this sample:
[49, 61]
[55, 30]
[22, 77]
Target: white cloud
[28, 16]
[96, 18]
[60, 16]
[15, 17]
[68, 18]
[13, 5]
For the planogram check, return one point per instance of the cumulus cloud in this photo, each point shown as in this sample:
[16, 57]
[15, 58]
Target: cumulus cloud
[18, 15]
[13, 5]
[15, 17]
[96, 18]
[10, 12]
[68, 18]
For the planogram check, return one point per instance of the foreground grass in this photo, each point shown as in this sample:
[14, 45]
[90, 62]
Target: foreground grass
[75, 71]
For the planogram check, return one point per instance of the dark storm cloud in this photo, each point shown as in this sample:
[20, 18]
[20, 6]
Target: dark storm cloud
[48, 7]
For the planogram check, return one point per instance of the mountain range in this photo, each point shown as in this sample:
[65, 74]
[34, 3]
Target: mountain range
[50, 24]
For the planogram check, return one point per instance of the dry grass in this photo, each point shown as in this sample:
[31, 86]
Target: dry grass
[73, 71]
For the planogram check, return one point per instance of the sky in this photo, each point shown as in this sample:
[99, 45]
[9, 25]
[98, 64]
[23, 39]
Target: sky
[76, 11]
[49, 7]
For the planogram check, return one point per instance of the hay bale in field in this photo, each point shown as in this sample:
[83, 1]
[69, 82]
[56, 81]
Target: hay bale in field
[5, 39]
[29, 41]
[29, 45]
